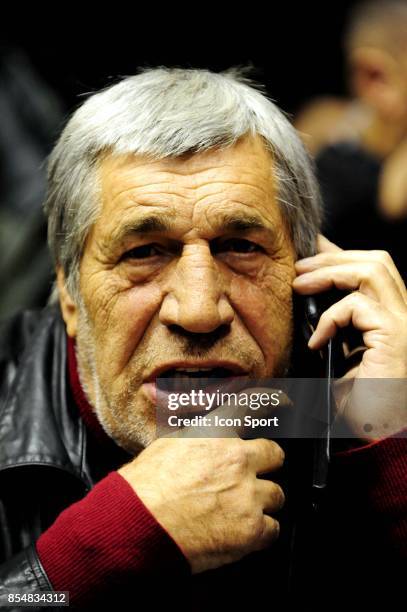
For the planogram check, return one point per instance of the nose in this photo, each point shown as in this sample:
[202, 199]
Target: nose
[195, 294]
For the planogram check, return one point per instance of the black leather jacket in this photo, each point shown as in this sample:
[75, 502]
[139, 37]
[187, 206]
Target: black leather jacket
[46, 464]
[43, 458]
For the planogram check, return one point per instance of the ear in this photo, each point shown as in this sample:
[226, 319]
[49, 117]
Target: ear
[68, 306]
[377, 79]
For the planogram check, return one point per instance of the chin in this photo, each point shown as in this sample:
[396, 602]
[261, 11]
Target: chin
[131, 434]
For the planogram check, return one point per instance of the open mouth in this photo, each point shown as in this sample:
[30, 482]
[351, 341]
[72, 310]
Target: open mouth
[184, 380]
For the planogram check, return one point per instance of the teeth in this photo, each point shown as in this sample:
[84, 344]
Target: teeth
[193, 369]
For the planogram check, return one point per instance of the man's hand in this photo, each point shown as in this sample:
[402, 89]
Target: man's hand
[377, 307]
[206, 494]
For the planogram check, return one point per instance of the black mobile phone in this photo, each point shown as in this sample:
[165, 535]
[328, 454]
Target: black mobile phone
[305, 472]
[334, 359]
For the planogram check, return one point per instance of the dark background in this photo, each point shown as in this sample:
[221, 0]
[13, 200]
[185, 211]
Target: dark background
[295, 48]
[50, 60]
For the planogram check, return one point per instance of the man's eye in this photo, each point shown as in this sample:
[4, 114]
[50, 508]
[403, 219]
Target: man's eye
[142, 252]
[236, 245]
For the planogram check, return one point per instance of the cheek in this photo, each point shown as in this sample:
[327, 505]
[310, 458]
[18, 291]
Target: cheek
[265, 307]
[128, 319]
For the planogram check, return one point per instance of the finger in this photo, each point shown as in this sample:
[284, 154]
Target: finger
[355, 309]
[321, 260]
[324, 245]
[270, 533]
[264, 455]
[270, 495]
[371, 279]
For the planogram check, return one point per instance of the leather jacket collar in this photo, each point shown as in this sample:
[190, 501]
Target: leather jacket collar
[38, 423]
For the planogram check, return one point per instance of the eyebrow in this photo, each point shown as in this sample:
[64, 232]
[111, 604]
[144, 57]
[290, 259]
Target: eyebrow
[156, 223]
[243, 223]
[150, 224]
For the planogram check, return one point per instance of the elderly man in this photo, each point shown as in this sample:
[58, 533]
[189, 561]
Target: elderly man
[180, 203]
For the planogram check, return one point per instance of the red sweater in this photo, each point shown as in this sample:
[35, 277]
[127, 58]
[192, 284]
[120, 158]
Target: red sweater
[110, 533]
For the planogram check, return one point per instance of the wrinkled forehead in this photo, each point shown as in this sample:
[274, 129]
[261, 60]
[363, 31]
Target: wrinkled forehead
[234, 185]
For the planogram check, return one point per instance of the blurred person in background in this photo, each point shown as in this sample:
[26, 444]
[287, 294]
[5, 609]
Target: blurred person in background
[360, 143]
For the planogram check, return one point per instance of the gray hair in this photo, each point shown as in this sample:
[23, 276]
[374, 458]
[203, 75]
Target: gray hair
[166, 112]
